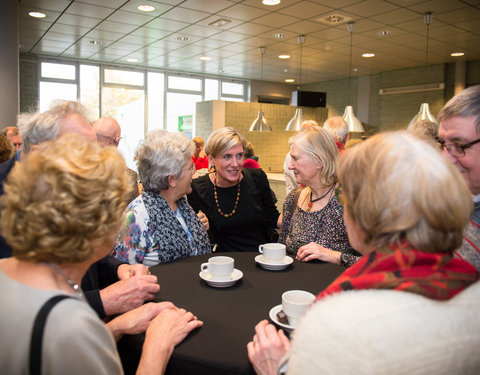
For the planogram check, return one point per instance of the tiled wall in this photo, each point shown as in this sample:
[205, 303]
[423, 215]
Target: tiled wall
[270, 147]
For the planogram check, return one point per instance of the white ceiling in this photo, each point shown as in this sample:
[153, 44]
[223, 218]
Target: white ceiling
[124, 32]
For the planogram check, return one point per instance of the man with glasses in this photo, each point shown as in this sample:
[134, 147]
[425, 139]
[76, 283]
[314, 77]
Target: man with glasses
[459, 138]
[108, 134]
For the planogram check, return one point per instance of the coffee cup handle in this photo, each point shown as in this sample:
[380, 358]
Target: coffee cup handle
[204, 267]
[260, 248]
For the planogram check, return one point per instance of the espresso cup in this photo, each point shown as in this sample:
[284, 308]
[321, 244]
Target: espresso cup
[219, 267]
[295, 303]
[273, 252]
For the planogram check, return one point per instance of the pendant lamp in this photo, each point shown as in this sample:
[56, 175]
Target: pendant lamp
[295, 124]
[260, 124]
[424, 113]
[354, 124]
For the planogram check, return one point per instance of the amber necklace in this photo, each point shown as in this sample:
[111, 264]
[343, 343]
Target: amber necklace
[312, 201]
[215, 195]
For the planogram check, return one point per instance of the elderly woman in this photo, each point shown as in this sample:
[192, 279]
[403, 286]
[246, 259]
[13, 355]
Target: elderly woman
[239, 203]
[407, 306]
[160, 226]
[312, 225]
[60, 211]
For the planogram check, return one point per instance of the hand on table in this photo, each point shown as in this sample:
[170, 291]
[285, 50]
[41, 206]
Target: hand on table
[203, 218]
[267, 348]
[127, 294]
[137, 320]
[125, 271]
[313, 250]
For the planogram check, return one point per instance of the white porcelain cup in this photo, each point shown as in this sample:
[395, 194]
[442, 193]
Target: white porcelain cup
[219, 267]
[273, 252]
[295, 303]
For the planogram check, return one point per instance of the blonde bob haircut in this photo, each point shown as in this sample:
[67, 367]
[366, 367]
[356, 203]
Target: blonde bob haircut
[397, 187]
[319, 144]
[63, 198]
[222, 140]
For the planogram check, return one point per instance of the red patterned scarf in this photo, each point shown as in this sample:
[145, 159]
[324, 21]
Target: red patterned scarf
[433, 275]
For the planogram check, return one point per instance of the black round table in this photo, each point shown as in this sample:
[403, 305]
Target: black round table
[229, 314]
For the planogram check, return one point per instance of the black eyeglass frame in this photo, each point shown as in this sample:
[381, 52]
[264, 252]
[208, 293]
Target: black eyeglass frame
[459, 150]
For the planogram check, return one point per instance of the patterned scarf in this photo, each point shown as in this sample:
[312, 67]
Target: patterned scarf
[433, 275]
[173, 241]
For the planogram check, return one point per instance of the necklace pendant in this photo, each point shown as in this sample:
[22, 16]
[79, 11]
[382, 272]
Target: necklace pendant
[310, 204]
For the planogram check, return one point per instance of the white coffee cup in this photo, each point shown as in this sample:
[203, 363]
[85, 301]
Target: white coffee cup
[273, 252]
[295, 303]
[219, 267]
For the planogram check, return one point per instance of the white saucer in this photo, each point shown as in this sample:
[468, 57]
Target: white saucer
[282, 264]
[207, 277]
[273, 316]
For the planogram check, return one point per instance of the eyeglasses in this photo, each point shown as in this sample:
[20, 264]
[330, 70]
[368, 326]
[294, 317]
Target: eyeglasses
[115, 140]
[456, 149]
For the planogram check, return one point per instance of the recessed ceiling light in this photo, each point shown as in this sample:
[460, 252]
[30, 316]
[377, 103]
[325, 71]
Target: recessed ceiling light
[37, 14]
[271, 2]
[289, 80]
[182, 38]
[367, 55]
[219, 23]
[384, 33]
[457, 54]
[95, 42]
[284, 56]
[279, 35]
[132, 60]
[146, 8]
[205, 58]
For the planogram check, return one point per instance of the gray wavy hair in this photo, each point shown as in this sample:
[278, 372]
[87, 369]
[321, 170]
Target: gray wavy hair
[162, 154]
[36, 128]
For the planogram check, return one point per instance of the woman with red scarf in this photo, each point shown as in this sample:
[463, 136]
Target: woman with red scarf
[407, 306]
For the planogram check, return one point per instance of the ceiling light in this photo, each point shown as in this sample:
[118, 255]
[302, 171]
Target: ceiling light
[289, 80]
[37, 14]
[279, 35]
[457, 54]
[132, 60]
[146, 8]
[295, 124]
[384, 33]
[205, 58]
[94, 42]
[367, 55]
[284, 56]
[271, 2]
[219, 23]
[182, 38]
[260, 124]
[334, 19]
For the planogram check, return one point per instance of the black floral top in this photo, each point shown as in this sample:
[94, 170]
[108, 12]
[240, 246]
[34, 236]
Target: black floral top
[325, 227]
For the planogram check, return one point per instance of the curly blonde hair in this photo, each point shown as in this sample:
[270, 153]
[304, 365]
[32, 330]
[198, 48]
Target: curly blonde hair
[62, 198]
[397, 187]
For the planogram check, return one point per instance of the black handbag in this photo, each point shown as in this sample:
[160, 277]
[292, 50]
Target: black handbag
[37, 334]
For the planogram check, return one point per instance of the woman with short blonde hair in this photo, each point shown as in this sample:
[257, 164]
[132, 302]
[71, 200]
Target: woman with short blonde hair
[312, 225]
[238, 202]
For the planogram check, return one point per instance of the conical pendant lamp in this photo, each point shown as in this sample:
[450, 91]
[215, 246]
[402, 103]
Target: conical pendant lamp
[424, 113]
[295, 124]
[260, 124]
[354, 124]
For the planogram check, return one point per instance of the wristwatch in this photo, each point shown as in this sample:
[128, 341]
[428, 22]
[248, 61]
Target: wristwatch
[343, 259]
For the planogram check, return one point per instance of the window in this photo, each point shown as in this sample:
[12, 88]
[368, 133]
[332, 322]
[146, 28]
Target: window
[184, 83]
[124, 77]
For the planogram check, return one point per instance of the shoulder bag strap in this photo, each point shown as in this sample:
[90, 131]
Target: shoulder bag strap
[37, 334]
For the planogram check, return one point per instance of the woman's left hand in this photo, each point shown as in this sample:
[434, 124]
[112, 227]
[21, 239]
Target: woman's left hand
[267, 348]
[203, 218]
[125, 271]
[313, 250]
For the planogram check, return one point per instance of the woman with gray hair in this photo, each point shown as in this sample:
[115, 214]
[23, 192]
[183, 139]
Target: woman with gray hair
[160, 226]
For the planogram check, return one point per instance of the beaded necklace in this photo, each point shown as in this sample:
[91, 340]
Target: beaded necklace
[312, 201]
[215, 195]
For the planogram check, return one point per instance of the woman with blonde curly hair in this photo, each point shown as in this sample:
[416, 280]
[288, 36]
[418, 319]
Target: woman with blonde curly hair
[60, 213]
